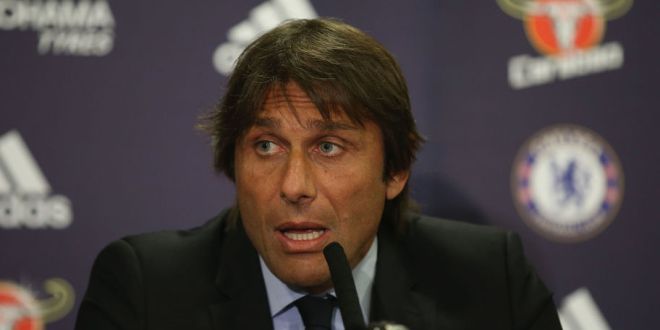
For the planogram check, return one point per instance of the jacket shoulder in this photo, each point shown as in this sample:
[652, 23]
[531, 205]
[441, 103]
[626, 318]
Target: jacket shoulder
[174, 254]
[463, 240]
[168, 274]
[479, 267]
[170, 240]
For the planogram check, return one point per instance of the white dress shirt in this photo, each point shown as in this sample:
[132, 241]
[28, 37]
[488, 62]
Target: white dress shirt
[281, 297]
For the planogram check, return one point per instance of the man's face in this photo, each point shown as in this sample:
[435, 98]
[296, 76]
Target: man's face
[303, 182]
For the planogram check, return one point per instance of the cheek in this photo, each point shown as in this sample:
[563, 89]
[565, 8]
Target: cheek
[255, 180]
[364, 184]
[253, 215]
[358, 199]
[251, 198]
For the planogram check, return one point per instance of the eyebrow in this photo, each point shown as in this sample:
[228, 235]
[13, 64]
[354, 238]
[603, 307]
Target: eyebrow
[324, 125]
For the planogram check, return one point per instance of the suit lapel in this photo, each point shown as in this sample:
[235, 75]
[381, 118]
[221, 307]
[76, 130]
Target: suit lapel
[394, 298]
[244, 302]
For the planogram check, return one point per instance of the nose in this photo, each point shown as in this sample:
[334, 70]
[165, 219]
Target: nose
[298, 182]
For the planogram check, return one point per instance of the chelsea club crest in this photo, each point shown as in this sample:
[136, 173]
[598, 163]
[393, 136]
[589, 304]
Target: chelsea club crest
[567, 183]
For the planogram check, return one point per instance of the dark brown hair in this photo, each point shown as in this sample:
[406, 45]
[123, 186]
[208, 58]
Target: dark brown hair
[341, 69]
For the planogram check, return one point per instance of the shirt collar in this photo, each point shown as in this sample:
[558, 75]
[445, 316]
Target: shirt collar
[281, 296]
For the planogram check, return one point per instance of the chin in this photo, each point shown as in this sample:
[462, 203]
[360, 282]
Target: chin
[314, 285]
[311, 278]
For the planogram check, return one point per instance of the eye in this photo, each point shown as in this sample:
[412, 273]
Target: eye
[329, 149]
[266, 148]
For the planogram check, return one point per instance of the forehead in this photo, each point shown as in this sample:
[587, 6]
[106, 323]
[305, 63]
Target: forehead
[290, 102]
[279, 95]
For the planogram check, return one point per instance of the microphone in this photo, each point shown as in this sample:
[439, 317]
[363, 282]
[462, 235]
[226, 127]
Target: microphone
[349, 304]
[342, 278]
[386, 326]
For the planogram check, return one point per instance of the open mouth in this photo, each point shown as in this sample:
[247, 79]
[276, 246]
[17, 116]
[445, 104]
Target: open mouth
[303, 235]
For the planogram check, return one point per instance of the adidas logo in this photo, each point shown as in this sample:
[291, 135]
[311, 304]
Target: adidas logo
[261, 19]
[579, 311]
[24, 191]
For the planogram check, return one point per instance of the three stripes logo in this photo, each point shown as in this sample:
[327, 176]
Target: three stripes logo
[261, 19]
[579, 311]
[25, 199]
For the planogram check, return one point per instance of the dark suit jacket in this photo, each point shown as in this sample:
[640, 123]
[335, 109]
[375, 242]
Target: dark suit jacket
[438, 275]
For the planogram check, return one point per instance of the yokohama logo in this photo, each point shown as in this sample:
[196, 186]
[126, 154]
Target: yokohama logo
[25, 199]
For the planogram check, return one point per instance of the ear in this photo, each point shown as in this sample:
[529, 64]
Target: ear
[396, 183]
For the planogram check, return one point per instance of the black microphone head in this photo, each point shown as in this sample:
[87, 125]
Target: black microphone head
[334, 252]
[386, 326]
[342, 278]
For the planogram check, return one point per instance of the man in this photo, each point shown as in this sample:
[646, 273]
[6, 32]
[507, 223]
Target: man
[316, 131]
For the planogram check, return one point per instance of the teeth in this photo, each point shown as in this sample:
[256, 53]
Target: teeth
[314, 234]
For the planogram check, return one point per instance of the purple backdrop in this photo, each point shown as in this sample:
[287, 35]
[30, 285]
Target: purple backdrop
[103, 97]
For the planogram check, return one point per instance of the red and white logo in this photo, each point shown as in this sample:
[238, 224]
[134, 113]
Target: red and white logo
[568, 33]
[21, 310]
[558, 27]
[18, 309]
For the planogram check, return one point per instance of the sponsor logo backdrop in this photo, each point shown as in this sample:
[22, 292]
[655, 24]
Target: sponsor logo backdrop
[535, 112]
